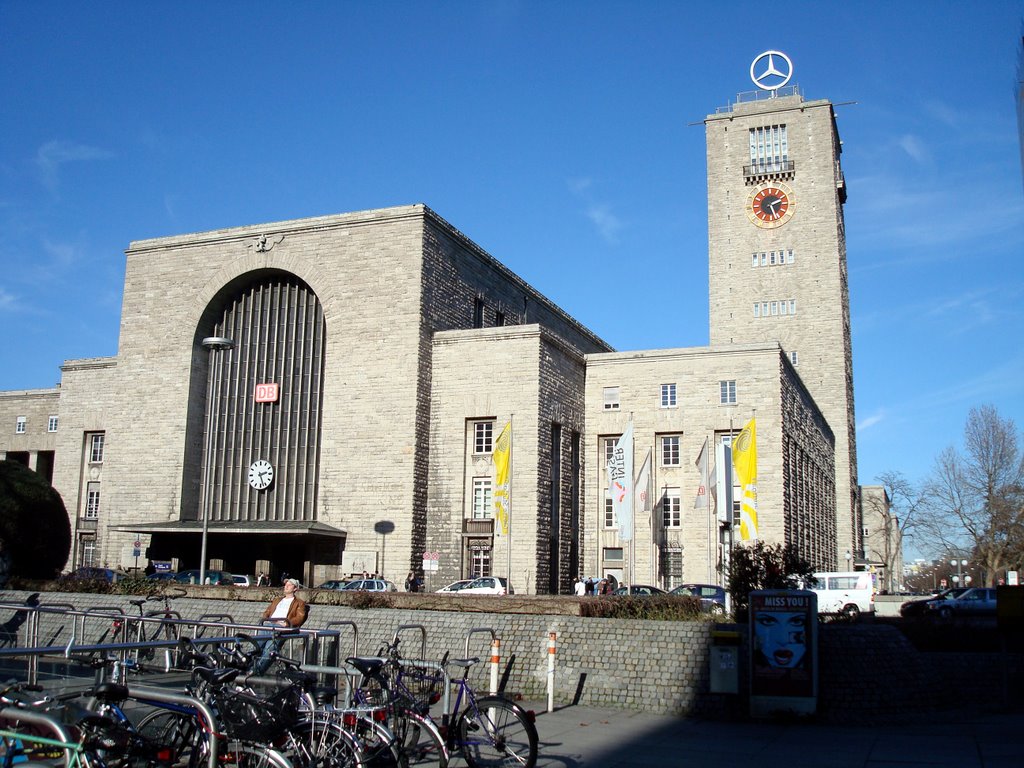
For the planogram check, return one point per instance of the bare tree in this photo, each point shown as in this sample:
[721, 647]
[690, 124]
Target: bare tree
[898, 512]
[975, 499]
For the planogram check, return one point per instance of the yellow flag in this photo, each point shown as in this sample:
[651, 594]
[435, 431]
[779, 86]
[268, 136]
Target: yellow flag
[502, 456]
[744, 460]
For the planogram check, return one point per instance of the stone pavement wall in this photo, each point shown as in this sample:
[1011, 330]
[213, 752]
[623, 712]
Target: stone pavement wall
[867, 672]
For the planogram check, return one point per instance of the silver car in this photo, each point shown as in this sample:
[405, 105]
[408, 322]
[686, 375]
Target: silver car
[977, 601]
[370, 585]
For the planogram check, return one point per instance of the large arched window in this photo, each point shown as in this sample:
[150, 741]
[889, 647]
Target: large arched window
[278, 329]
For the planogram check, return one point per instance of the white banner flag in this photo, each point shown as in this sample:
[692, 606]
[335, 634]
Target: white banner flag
[620, 482]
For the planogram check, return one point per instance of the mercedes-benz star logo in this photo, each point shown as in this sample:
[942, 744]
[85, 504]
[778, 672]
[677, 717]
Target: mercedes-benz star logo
[766, 75]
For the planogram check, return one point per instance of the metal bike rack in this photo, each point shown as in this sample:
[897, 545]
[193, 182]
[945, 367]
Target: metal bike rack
[423, 637]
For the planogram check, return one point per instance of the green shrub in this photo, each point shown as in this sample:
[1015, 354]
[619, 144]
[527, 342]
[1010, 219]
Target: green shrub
[653, 607]
[756, 565]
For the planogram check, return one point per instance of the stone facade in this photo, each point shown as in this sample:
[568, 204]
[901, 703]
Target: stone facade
[789, 499]
[803, 269]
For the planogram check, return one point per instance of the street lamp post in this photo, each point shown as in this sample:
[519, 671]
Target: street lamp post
[213, 345]
[959, 565]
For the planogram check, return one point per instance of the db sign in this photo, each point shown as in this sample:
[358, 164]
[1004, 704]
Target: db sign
[267, 393]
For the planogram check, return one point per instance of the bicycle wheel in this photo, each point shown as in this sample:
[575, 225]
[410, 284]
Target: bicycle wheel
[322, 744]
[494, 732]
[422, 743]
[178, 731]
[235, 754]
[379, 745]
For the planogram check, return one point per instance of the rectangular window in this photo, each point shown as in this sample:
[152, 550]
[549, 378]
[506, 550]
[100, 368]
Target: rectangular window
[755, 260]
[611, 398]
[769, 148]
[792, 306]
[87, 552]
[499, 319]
[613, 554]
[789, 256]
[775, 308]
[96, 448]
[478, 313]
[609, 512]
[783, 308]
[757, 309]
[483, 502]
[19, 425]
[479, 562]
[670, 451]
[764, 309]
[727, 392]
[668, 395]
[771, 258]
[764, 259]
[671, 509]
[609, 449]
[51, 424]
[483, 436]
[672, 566]
[793, 358]
[92, 501]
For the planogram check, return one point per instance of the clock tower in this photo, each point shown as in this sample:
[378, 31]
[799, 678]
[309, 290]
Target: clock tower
[777, 254]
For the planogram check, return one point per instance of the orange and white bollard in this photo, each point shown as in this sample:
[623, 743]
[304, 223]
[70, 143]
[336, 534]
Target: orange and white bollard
[495, 663]
[551, 671]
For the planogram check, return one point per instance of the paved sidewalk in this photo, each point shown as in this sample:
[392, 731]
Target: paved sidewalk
[589, 737]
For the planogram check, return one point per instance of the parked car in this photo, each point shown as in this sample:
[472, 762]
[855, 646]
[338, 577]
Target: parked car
[919, 607]
[488, 585]
[640, 589]
[212, 577]
[712, 596]
[456, 586]
[243, 580]
[99, 574]
[977, 601]
[162, 576]
[335, 584]
[370, 585]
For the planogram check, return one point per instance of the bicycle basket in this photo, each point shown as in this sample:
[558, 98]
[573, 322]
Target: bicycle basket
[250, 717]
[422, 686]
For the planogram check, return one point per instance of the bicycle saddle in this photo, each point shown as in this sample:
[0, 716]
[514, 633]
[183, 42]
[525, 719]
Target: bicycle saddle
[368, 665]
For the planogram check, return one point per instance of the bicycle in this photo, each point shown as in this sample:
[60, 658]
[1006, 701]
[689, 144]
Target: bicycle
[488, 731]
[246, 716]
[133, 628]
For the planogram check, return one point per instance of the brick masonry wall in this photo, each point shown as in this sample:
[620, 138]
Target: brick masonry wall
[867, 673]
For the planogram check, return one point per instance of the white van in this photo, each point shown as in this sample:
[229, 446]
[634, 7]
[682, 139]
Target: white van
[849, 592]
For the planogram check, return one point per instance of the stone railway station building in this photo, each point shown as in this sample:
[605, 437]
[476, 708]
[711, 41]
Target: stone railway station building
[378, 355]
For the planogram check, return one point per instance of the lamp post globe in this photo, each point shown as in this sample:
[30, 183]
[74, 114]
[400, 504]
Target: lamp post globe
[213, 345]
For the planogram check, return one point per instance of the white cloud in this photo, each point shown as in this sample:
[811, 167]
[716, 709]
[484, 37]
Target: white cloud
[600, 213]
[607, 223]
[870, 421]
[915, 148]
[53, 155]
[8, 301]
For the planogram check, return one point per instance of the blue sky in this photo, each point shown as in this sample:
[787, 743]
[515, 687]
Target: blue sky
[559, 136]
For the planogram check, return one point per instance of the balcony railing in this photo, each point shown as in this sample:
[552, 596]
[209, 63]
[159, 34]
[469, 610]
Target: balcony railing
[775, 168]
[477, 527]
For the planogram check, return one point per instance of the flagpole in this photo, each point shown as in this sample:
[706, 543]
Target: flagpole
[712, 538]
[511, 460]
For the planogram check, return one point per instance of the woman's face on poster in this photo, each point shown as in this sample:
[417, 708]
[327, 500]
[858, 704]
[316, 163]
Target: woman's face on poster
[781, 637]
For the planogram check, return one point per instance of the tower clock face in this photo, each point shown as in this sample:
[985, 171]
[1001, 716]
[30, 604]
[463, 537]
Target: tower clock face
[770, 205]
[261, 474]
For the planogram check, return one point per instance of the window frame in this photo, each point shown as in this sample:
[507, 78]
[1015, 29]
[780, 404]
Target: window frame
[671, 508]
[20, 425]
[51, 423]
[671, 450]
[483, 444]
[483, 491]
[611, 398]
[727, 392]
[97, 445]
[669, 397]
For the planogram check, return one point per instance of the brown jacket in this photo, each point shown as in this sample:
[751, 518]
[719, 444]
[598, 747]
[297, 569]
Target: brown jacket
[296, 614]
